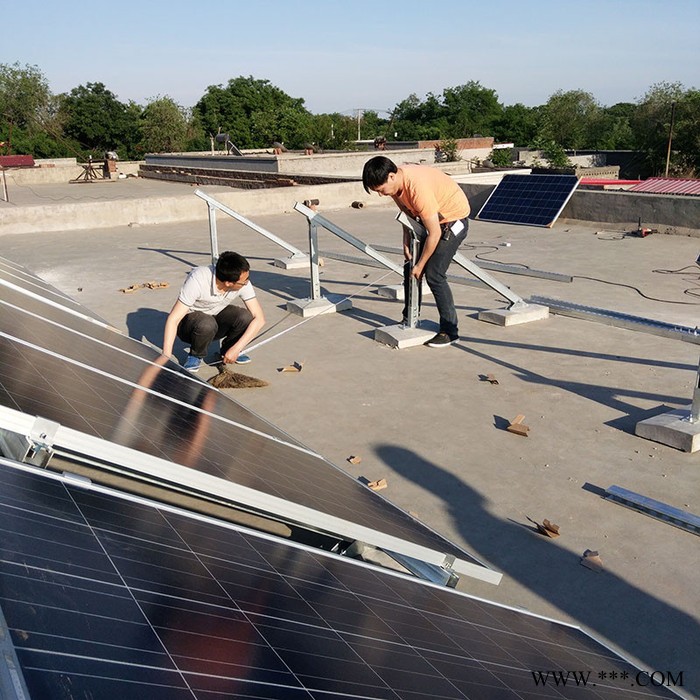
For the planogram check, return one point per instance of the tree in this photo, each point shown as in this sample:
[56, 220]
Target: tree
[651, 125]
[569, 119]
[163, 127]
[471, 109]
[24, 98]
[99, 122]
[517, 124]
[252, 111]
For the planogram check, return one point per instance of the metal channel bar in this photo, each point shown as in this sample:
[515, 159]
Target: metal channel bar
[468, 265]
[271, 236]
[320, 220]
[356, 260]
[654, 509]
[498, 267]
[621, 320]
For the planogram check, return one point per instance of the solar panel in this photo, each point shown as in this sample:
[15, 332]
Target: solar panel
[16, 276]
[158, 422]
[112, 597]
[533, 200]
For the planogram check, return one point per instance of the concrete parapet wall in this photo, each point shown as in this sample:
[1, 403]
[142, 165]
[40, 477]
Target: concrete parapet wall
[160, 210]
[668, 213]
[59, 170]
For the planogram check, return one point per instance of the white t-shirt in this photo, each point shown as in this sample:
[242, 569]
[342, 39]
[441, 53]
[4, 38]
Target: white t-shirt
[200, 293]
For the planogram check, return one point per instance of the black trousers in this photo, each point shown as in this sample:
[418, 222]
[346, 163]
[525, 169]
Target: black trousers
[200, 329]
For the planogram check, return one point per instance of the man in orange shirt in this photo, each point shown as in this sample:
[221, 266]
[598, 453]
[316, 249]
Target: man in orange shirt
[438, 202]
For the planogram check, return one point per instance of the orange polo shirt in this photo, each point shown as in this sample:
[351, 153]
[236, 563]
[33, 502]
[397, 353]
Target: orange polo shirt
[428, 191]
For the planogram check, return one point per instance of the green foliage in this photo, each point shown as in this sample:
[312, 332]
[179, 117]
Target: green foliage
[501, 157]
[255, 113]
[554, 154]
[24, 95]
[99, 122]
[449, 149]
[651, 124]
[163, 127]
[569, 119]
[517, 124]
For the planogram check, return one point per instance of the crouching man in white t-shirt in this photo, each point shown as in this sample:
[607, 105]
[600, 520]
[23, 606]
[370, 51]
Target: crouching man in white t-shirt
[204, 312]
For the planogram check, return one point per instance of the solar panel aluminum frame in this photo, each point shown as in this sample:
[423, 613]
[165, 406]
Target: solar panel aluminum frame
[478, 217]
[79, 445]
[396, 581]
[55, 304]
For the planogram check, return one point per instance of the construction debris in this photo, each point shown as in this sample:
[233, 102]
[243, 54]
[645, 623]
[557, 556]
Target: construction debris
[516, 426]
[354, 459]
[145, 285]
[296, 367]
[591, 560]
[491, 379]
[547, 528]
[377, 485]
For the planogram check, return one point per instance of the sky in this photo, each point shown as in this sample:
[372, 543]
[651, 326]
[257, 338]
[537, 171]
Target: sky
[358, 55]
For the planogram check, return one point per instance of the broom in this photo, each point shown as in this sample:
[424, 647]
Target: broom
[228, 379]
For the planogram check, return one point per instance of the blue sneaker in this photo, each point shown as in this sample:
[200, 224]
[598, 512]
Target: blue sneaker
[192, 363]
[243, 360]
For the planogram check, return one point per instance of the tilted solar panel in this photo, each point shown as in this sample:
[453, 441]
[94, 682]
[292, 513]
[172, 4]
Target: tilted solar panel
[110, 597]
[100, 387]
[533, 200]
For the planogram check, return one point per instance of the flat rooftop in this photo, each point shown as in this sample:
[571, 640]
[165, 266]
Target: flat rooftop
[425, 419]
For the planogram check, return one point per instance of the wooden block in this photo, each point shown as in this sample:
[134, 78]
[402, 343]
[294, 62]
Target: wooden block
[516, 426]
[354, 459]
[296, 367]
[378, 485]
[591, 560]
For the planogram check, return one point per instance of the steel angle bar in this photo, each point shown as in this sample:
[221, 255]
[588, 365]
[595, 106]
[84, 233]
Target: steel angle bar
[654, 509]
[227, 210]
[468, 265]
[498, 267]
[77, 444]
[621, 320]
[320, 220]
[353, 259]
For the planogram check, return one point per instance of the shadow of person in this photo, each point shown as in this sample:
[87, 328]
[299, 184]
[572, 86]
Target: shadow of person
[604, 603]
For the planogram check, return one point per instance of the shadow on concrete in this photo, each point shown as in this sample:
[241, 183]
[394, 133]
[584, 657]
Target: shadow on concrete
[612, 397]
[604, 604]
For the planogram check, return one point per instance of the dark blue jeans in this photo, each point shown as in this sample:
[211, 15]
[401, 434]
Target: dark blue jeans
[435, 273]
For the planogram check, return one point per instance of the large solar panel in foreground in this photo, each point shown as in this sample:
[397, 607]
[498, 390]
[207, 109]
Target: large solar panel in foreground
[107, 598]
[90, 379]
[533, 200]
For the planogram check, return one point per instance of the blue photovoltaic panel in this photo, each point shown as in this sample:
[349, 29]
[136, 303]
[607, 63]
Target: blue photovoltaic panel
[107, 386]
[533, 200]
[106, 597]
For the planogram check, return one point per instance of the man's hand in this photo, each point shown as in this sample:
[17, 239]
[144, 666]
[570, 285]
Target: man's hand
[417, 271]
[231, 355]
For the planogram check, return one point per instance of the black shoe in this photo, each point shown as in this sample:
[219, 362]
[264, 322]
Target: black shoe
[441, 340]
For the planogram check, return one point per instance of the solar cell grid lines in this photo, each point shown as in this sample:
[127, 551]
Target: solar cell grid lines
[534, 200]
[113, 597]
[165, 413]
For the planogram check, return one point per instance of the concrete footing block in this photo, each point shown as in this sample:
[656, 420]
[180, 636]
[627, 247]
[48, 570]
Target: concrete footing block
[510, 317]
[295, 262]
[395, 291]
[306, 308]
[400, 336]
[673, 429]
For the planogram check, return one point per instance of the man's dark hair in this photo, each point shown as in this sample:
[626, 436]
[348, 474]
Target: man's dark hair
[230, 266]
[377, 171]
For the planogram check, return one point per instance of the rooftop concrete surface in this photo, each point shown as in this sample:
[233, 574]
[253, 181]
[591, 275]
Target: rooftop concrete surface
[425, 419]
